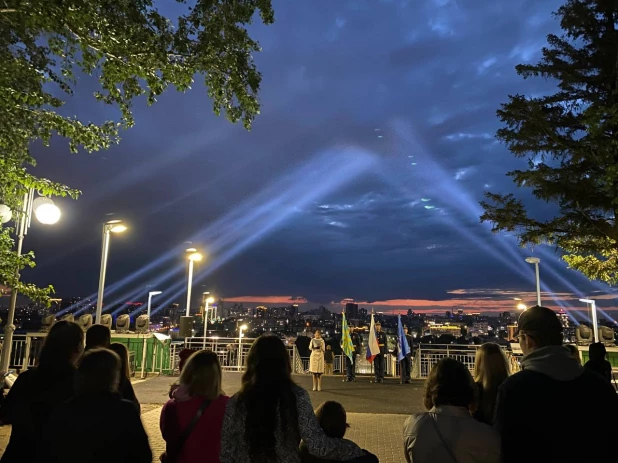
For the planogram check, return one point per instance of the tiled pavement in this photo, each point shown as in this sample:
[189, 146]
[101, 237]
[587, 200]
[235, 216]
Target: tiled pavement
[380, 434]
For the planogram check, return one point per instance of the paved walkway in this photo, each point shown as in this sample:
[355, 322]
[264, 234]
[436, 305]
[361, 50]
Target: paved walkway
[381, 434]
[376, 412]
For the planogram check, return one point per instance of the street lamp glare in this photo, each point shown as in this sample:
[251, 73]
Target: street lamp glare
[533, 260]
[118, 228]
[243, 328]
[195, 257]
[522, 306]
[47, 214]
[6, 214]
[210, 300]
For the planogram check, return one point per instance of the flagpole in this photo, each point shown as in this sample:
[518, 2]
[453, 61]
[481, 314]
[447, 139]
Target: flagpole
[370, 325]
[400, 344]
[345, 363]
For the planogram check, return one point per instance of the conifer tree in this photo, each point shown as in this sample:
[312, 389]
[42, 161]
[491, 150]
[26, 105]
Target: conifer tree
[570, 139]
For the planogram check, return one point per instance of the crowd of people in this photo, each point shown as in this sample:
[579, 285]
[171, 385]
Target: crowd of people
[78, 405]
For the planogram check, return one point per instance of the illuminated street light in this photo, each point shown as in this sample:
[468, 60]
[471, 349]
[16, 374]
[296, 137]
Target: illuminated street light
[595, 324]
[240, 330]
[193, 256]
[536, 261]
[47, 213]
[522, 306]
[208, 300]
[150, 294]
[112, 226]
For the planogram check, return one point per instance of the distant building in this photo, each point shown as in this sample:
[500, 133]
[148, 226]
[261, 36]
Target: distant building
[351, 310]
[436, 329]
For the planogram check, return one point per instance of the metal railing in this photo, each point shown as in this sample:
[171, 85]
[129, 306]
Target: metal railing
[26, 350]
[427, 355]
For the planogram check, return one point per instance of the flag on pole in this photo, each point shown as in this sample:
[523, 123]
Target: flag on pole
[346, 339]
[372, 346]
[403, 348]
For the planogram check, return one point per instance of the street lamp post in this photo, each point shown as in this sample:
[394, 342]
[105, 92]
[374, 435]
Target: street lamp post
[193, 256]
[595, 323]
[240, 330]
[150, 294]
[112, 226]
[209, 300]
[536, 261]
[47, 213]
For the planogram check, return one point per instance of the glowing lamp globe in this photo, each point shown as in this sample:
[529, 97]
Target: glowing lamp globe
[210, 300]
[5, 213]
[47, 213]
[118, 228]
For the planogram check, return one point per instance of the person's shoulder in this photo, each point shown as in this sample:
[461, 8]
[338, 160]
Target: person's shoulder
[220, 403]
[171, 404]
[592, 380]
[124, 406]
[516, 380]
[412, 422]
[299, 392]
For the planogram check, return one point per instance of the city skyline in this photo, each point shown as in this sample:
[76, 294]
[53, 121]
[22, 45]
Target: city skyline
[360, 179]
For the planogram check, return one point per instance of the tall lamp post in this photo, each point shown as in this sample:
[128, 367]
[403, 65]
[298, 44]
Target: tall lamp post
[112, 226]
[193, 256]
[47, 213]
[595, 323]
[209, 300]
[240, 330]
[150, 294]
[536, 261]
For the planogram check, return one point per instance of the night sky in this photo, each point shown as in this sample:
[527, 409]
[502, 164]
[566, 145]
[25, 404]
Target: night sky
[360, 179]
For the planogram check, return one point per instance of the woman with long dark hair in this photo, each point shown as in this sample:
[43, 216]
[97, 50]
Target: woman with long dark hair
[38, 391]
[266, 420]
[96, 425]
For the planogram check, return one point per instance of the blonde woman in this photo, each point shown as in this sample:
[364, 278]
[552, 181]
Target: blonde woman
[191, 421]
[316, 361]
[491, 368]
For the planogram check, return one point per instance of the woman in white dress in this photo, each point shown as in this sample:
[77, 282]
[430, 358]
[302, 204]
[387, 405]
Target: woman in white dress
[316, 361]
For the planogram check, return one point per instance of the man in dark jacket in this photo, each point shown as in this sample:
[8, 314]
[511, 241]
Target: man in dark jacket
[535, 404]
[350, 365]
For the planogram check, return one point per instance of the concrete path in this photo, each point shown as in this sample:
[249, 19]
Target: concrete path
[376, 412]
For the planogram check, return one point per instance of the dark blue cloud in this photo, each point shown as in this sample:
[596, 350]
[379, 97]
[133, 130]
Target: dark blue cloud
[414, 83]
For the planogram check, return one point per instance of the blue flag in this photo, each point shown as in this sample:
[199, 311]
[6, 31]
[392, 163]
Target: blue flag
[403, 348]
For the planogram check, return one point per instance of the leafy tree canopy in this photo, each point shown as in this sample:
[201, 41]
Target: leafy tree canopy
[570, 139]
[132, 49]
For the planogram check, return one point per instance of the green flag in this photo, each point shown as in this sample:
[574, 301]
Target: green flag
[346, 339]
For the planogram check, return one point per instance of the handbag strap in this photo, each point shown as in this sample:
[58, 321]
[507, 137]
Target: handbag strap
[434, 419]
[187, 431]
